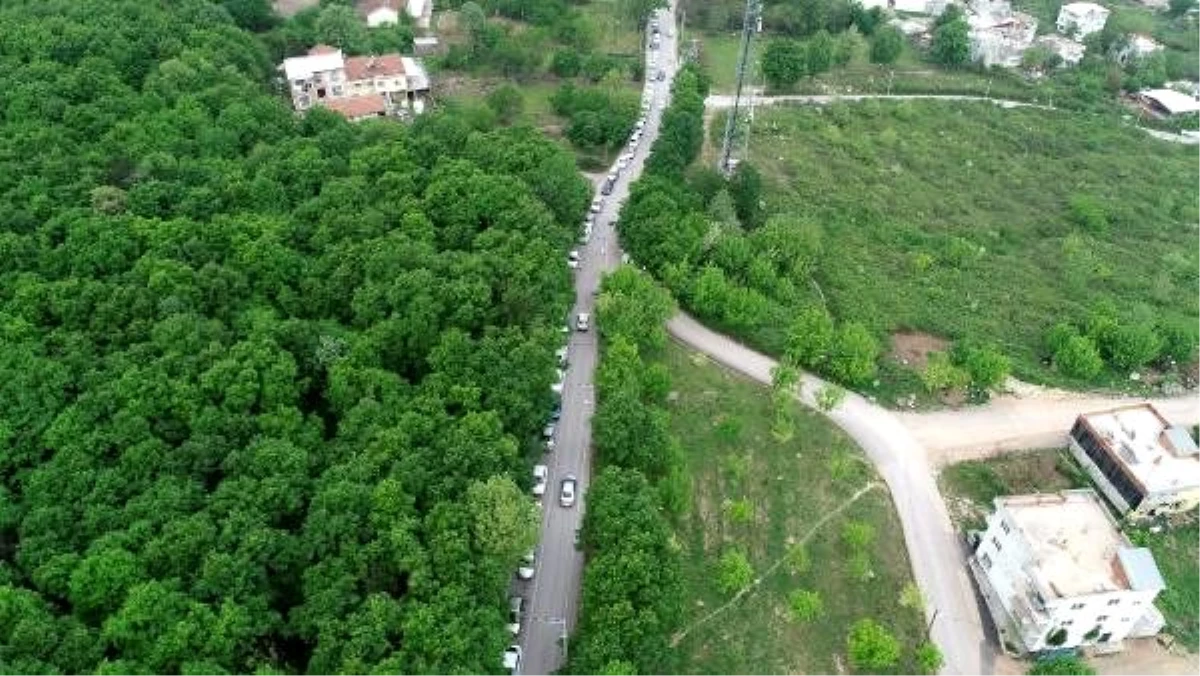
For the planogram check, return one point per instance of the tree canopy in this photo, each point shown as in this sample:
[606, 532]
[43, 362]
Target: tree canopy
[267, 378]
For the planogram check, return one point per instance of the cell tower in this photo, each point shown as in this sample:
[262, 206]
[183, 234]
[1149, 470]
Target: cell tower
[750, 22]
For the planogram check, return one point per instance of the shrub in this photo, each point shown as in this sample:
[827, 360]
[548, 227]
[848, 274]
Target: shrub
[929, 659]
[939, 374]
[734, 571]
[886, 45]
[805, 606]
[1133, 346]
[1065, 666]
[854, 355]
[1088, 213]
[858, 535]
[1079, 358]
[871, 647]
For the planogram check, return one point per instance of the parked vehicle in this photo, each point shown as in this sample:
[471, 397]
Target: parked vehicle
[526, 569]
[566, 493]
[541, 475]
[512, 659]
[561, 353]
[583, 321]
[516, 608]
[573, 259]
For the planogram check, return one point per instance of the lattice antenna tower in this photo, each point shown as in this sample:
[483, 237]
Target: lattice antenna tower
[749, 26]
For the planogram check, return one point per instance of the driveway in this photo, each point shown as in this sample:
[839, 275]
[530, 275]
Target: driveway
[552, 596]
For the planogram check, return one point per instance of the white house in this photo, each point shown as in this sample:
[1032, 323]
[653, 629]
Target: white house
[1055, 572]
[1000, 41]
[1068, 50]
[931, 7]
[1168, 103]
[1142, 464]
[1139, 47]
[1081, 19]
[356, 86]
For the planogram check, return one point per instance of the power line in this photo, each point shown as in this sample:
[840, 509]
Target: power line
[749, 24]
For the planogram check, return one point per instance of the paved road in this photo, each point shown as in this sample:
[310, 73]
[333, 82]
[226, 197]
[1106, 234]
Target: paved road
[936, 552]
[552, 596]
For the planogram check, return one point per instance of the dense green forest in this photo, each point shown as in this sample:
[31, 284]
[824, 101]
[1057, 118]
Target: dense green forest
[266, 378]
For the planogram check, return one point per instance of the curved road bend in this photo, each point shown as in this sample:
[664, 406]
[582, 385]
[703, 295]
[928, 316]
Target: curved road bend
[936, 552]
[552, 596]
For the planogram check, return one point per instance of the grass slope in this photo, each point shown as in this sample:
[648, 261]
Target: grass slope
[724, 425]
[953, 218]
[969, 488]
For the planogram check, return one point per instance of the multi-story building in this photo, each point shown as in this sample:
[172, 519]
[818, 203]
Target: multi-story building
[1056, 572]
[1144, 466]
[358, 86]
[1081, 19]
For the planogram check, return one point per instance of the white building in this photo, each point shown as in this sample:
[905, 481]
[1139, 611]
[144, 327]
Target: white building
[1055, 572]
[930, 7]
[1068, 50]
[1081, 19]
[356, 86]
[1000, 40]
[1142, 464]
[1139, 47]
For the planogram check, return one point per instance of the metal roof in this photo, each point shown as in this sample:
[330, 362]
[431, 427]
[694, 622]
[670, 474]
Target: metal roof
[1140, 569]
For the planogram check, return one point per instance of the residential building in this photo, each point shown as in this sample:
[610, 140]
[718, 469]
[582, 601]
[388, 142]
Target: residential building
[1139, 46]
[1081, 19]
[930, 7]
[1138, 460]
[324, 76]
[1000, 40]
[380, 12]
[1067, 50]
[1055, 572]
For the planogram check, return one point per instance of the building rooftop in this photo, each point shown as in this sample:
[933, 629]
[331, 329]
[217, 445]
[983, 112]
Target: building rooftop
[1079, 8]
[354, 107]
[1139, 437]
[321, 58]
[1072, 540]
[365, 67]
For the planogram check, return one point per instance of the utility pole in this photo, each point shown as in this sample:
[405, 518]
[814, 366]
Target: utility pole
[749, 22]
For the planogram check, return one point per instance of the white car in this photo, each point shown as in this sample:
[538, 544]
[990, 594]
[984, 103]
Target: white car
[516, 607]
[566, 494]
[582, 321]
[622, 162]
[548, 430]
[573, 259]
[512, 659]
[540, 474]
[561, 354]
[557, 387]
[596, 204]
[526, 569]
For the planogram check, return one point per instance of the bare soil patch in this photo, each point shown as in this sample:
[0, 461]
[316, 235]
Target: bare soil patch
[291, 7]
[912, 348]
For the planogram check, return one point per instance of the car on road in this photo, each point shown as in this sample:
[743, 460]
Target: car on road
[660, 75]
[561, 353]
[566, 492]
[548, 430]
[607, 188]
[557, 387]
[556, 412]
[516, 608]
[583, 321]
[526, 569]
[541, 474]
[512, 659]
[596, 205]
[573, 259]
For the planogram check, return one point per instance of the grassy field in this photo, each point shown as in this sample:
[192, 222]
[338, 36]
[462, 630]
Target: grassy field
[970, 487]
[614, 34]
[953, 218]
[753, 492]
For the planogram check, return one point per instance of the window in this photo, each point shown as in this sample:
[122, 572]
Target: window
[1004, 526]
[986, 561]
[1078, 606]
[1113, 602]
[1067, 623]
[1102, 618]
[996, 543]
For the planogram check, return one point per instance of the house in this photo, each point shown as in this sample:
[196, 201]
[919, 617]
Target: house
[424, 46]
[1139, 46]
[1138, 460]
[1067, 50]
[930, 7]
[1055, 572]
[380, 12]
[356, 86]
[1081, 19]
[1000, 40]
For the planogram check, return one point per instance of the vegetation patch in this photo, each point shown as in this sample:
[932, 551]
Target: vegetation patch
[799, 617]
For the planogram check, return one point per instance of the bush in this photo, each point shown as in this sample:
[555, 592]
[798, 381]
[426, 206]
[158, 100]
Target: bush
[871, 647]
[507, 102]
[986, 367]
[886, 45]
[1079, 358]
[854, 355]
[805, 606]
[1064, 666]
[734, 572]
[1088, 213]
[940, 375]
[1133, 346]
[929, 659]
